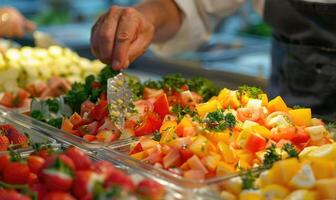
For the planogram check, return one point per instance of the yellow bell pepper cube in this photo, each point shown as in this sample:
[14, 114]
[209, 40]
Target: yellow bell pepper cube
[223, 94]
[264, 99]
[215, 137]
[326, 188]
[277, 104]
[210, 106]
[275, 191]
[167, 131]
[322, 168]
[227, 153]
[199, 146]
[224, 168]
[212, 160]
[243, 136]
[262, 130]
[251, 195]
[284, 170]
[301, 117]
[302, 195]
[140, 155]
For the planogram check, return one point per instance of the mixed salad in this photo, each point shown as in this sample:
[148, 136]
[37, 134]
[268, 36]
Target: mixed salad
[234, 131]
[90, 119]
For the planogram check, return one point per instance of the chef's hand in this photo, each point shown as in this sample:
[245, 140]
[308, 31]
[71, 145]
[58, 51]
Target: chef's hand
[121, 35]
[13, 23]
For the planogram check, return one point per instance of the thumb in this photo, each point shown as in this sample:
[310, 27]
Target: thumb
[29, 26]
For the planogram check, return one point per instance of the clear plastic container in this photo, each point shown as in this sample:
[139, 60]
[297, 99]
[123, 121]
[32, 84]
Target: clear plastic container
[35, 137]
[177, 187]
[207, 188]
[53, 132]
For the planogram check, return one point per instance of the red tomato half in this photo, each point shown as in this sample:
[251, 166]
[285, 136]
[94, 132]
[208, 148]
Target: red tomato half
[100, 111]
[161, 105]
[152, 122]
[255, 143]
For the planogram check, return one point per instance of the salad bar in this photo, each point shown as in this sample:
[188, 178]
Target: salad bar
[180, 138]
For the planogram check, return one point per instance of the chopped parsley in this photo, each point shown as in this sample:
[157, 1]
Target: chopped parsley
[271, 156]
[52, 105]
[203, 87]
[157, 136]
[252, 92]
[56, 122]
[180, 112]
[248, 180]
[291, 151]
[217, 121]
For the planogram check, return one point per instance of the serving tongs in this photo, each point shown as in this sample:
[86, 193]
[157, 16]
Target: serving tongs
[120, 103]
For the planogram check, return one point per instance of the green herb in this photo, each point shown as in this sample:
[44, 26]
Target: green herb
[173, 82]
[113, 191]
[135, 86]
[56, 122]
[230, 120]
[217, 121]
[271, 156]
[37, 114]
[292, 152]
[248, 180]
[106, 73]
[76, 96]
[203, 87]
[52, 105]
[14, 156]
[180, 112]
[252, 92]
[153, 84]
[157, 136]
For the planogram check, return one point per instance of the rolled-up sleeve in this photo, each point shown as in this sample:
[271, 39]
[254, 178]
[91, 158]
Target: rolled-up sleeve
[198, 17]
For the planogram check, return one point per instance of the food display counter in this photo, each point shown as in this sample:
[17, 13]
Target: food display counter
[184, 136]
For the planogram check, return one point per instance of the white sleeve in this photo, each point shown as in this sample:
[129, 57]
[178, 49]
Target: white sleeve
[198, 22]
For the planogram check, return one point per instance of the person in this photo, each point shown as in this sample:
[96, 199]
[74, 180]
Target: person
[303, 44]
[13, 23]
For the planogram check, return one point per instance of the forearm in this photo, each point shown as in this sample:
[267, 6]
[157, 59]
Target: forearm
[164, 15]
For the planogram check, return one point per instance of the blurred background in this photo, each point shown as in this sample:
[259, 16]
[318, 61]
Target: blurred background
[238, 52]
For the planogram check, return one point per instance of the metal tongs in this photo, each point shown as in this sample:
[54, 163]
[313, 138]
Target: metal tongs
[119, 97]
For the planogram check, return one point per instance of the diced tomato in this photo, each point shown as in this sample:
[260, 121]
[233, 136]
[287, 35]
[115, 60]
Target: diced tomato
[100, 111]
[300, 137]
[137, 148]
[143, 106]
[103, 96]
[172, 159]
[90, 129]
[161, 105]
[186, 99]
[185, 154]
[20, 98]
[107, 125]
[154, 157]
[194, 174]
[7, 99]
[252, 114]
[255, 143]
[76, 119]
[149, 93]
[184, 87]
[151, 123]
[287, 133]
[89, 138]
[86, 107]
[67, 125]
